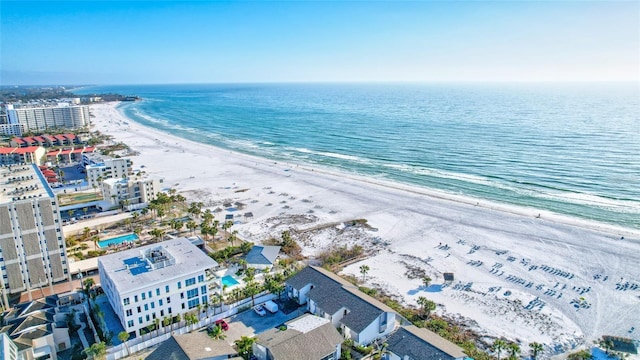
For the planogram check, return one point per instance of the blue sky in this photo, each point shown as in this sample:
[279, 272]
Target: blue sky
[124, 42]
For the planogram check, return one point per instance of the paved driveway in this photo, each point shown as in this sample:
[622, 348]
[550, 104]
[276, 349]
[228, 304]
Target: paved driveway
[250, 324]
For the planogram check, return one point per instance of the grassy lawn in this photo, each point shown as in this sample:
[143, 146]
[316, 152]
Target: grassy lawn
[78, 198]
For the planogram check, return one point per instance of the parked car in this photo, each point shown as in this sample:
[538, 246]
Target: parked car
[271, 306]
[223, 324]
[259, 309]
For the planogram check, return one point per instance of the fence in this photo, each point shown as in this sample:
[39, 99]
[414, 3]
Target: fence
[147, 340]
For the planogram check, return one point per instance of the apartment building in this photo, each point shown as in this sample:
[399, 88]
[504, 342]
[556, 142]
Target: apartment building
[133, 193]
[22, 155]
[157, 281]
[32, 247]
[41, 118]
[107, 168]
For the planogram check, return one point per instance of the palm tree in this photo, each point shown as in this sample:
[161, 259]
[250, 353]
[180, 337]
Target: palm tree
[233, 237]
[426, 281]
[364, 269]
[427, 305]
[85, 233]
[124, 336]
[177, 318]
[217, 333]
[251, 289]
[514, 351]
[96, 351]
[226, 226]
[157, 233]
[191, 319]
[606, 344]
[95, 239]
[498, 346]
[191, 225]
[245, 347]
[88, 284]
[156, 321]
[536, 349]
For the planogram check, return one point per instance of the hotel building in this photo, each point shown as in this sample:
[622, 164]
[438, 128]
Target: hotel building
[32, 247]
[105, 168]
[156, 281]
[42, 118]
[133, 192]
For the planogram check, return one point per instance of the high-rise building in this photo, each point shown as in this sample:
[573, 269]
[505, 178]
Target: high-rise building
[32, 247]
[8, 350]
[42, 118]
[156, 282]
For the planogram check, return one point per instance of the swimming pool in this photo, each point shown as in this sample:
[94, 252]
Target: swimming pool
[229, 281]
[117, 240]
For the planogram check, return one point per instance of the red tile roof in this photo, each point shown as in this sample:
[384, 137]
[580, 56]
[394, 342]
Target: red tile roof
[53, 152]
[28, 149]
[7, 150]
[60, 137]
[40, 138]
[66, 152]
[18, 140]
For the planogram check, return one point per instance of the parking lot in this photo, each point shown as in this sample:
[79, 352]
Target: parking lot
[250, 324]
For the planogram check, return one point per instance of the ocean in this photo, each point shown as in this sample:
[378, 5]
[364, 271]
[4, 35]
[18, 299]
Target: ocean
[573, 149]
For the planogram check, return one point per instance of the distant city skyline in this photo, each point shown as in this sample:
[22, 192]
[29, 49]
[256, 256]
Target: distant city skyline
[147, 42]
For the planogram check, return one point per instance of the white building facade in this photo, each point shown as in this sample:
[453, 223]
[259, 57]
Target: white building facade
[156, 282]
[42, 118]
[131, 193]
[32, 247]
[109, 168]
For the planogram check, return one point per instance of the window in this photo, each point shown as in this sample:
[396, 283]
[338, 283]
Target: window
[189, 282]
[148, 318]
[169, 310]
[192, 293]
[139, 310]
[194, 303]
[182, 305]
[204, 299]
[168, 300]
[146, 307]
[160, 302]
[129, 312]
[203, 289]
[140, 320]
[135, 298]
[153, 306]
[143, 296]
[150, 295]
[181, 295]
[179, 285]
[162, 313]
[130, 323]
[166, 289]
[200, 278]
[126, 301]
[158, 292]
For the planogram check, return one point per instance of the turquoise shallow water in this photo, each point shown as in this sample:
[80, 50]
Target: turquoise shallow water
[569, 148]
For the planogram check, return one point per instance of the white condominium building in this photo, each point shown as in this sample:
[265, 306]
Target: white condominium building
[32, 247]
[156, 282]
[109, 168]
[42, 118]
[131, 192]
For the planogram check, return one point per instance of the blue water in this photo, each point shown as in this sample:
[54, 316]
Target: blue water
[229, 281]
[570, 148]
[117, 240]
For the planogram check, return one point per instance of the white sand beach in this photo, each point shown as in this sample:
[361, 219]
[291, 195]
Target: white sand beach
[556, 280]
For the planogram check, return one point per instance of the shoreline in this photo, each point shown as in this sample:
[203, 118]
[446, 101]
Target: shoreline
[547, 215]
[409, 228]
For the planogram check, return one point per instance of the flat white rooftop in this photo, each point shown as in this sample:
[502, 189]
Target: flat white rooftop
[21, 182]
[154, 264]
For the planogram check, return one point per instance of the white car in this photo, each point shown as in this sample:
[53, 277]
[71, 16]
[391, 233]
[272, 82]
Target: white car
[259, 309]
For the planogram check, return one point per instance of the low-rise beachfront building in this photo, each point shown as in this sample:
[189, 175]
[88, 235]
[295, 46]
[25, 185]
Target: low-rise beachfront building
[411, 342]
[42, 118]
[262, 257]
[307, 337]
[46, 140]
[130, 193]
[108, 168]
[25, 155]
[32, 247]
[37, 329]
[156, 281]
[193, 346]
[67, 156]
[360, 317]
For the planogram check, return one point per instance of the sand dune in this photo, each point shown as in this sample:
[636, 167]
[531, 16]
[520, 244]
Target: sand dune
[553, 279]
